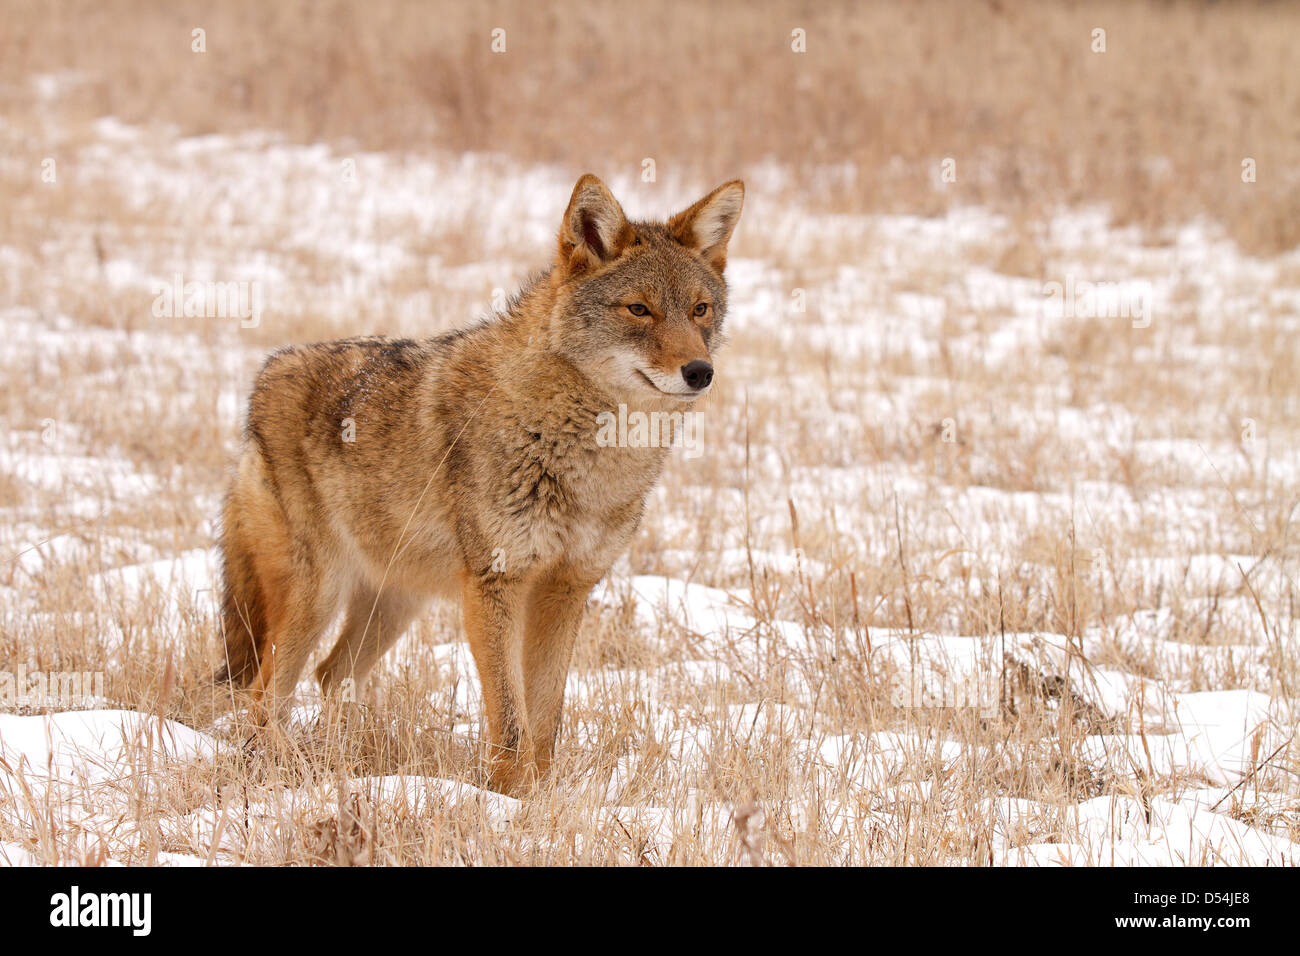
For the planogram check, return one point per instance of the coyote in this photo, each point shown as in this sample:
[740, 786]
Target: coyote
[377, 473]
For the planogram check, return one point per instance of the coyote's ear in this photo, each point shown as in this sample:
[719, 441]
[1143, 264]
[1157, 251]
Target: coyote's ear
[706, 227]
[594, 229]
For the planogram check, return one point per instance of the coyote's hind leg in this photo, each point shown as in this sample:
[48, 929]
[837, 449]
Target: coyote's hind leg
[373, 624]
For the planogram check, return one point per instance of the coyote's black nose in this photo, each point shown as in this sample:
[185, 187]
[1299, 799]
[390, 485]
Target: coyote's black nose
[698, 374]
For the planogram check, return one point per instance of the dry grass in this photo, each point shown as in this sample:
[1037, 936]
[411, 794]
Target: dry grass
[1157, 125]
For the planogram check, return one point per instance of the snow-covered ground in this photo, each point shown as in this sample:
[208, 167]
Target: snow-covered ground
[968, 574]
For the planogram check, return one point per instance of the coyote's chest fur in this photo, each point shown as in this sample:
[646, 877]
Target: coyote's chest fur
[552, 492]
[564, 496]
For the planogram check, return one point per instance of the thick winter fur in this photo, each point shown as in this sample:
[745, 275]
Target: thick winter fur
[378, 473]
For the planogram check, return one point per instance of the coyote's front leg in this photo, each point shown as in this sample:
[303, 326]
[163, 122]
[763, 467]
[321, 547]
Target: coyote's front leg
[555, 608]
[493, 609]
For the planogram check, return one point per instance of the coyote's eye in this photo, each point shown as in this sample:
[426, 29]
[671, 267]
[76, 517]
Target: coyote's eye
[636, 308]
[702, 310]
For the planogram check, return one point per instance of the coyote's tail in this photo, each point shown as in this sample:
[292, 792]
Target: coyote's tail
[243, 598]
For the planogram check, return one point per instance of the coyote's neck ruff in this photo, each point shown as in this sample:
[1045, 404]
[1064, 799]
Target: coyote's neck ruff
[377, 472]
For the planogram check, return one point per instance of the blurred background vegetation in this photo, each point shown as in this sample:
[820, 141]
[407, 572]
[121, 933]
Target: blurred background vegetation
[1157, 126]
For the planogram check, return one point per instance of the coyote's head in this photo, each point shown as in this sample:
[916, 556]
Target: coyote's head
[641, 304]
